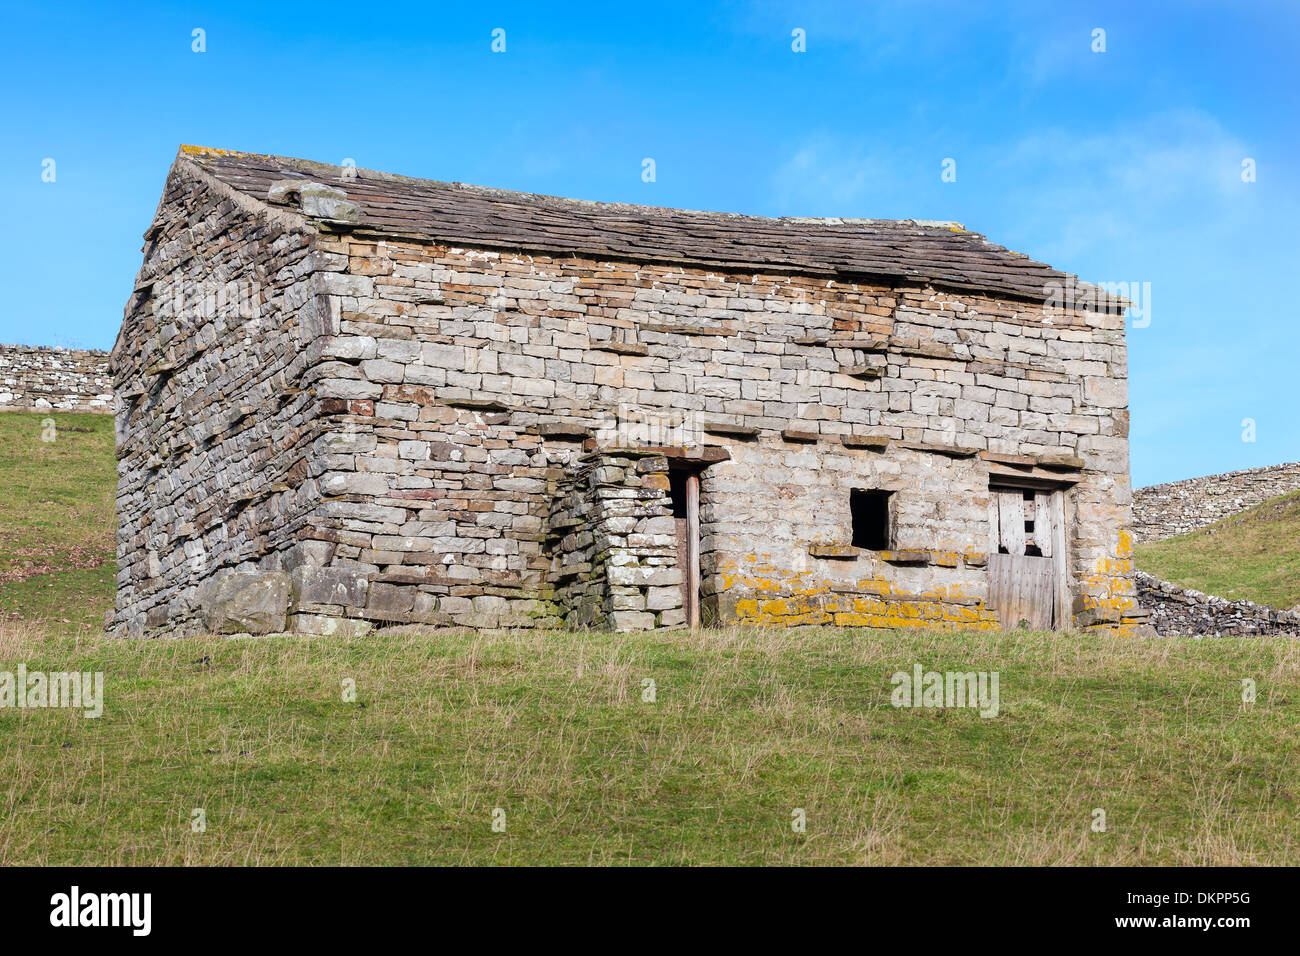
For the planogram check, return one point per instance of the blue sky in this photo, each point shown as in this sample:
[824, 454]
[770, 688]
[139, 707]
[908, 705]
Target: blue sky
[1122, 166]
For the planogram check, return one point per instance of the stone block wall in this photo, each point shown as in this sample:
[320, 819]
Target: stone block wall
[458, 385]
[776, 528]
[1180, 507]
[36, 378]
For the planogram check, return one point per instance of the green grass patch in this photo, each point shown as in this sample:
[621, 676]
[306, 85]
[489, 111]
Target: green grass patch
[745, 728]
[1253, 556]
[59, 481]
[64, 602]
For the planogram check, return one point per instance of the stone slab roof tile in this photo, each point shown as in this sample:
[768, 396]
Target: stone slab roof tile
[909, 251]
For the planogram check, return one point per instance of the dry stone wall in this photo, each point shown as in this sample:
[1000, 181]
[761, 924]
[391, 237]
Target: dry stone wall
[615, 557]
[1181, 611]
[1180, 507]
[35, 378]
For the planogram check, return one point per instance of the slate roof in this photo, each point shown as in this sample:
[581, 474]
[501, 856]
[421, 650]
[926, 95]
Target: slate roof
[907, 251]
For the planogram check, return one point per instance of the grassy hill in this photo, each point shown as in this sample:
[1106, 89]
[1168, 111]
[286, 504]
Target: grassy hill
[1254, 555]
[554, 730]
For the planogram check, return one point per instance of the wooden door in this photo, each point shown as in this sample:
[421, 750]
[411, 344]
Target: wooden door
[1026, 564]
[1021, 587]
[686, 517]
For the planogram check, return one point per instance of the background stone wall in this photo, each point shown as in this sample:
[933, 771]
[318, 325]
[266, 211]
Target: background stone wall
[37, 378]
[1176, 610]
[1163, 511]
[1180, 507]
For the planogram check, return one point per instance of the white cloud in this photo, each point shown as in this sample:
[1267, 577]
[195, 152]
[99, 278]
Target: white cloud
[1170, 171]
[1080, 192]
[825, 178]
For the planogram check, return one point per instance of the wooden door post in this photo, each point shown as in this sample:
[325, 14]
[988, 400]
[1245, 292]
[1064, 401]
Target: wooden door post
[692, 569]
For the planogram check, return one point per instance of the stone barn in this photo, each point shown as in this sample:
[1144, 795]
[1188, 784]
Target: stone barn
[349, 400]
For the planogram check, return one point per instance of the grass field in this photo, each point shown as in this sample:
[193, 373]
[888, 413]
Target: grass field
[745, 728]
[554, 731]
[1254, 555]
[56, 518]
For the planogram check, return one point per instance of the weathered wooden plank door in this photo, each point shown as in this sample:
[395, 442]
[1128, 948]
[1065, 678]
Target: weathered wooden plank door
[693, 550]
[1011, 521]
[1026, 563]
[1022, 589]
[686, 515]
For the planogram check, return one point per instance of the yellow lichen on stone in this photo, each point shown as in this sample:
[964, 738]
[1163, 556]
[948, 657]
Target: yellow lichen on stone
[775, 597]
[199, 151]
[1108, 588]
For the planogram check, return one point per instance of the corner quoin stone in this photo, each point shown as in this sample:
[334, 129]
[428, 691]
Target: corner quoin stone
[255, 602]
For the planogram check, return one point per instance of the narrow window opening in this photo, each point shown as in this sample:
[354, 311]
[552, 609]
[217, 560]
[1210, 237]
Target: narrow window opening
[870, 511]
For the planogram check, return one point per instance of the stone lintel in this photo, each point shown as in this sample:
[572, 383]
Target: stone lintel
[873, 343]
[563, 431]
[861, 371]
[834, 551]
[622, 348]
[704, 454]
[679, 328]
[952, 451]
[873, 442]
[1035, 470]
[478, 404]
[732, 430]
